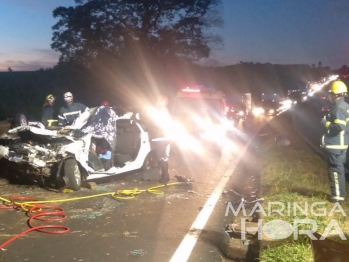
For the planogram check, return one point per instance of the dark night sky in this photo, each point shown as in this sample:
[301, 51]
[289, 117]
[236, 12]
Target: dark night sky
[275, 31]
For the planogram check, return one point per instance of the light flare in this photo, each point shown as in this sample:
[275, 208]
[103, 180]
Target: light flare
[257, 111]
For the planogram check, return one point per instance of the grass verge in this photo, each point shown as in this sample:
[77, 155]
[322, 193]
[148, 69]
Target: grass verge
[296, 178]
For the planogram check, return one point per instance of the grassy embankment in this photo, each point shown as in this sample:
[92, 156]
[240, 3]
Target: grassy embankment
[294, 174]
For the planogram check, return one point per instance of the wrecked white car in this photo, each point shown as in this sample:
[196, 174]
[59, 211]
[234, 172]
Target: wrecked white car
[100, 144]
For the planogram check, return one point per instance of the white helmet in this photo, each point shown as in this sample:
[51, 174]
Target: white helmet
[68, 97]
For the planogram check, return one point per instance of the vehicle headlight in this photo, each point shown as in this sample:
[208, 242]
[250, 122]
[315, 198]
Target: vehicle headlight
[258, 111]
[241, 113]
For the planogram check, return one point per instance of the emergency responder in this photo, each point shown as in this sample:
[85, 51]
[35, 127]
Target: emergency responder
[154, 120]
[162, 143]
[72, 111]
[48, 110]
[335, 141]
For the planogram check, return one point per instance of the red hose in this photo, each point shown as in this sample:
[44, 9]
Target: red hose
[38, 212]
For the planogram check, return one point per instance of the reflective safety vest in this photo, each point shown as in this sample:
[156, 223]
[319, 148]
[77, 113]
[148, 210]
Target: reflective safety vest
[337, 136]
[68, 114]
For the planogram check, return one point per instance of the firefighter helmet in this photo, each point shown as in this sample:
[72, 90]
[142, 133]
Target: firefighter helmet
[338, 87]
[68, 95]
[50, 97]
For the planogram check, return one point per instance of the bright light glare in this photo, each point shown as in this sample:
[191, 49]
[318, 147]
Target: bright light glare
[230, 146]
[174, 131]
[191, 90]
[333, 77]
[229, 124]
[285, 105]
[258, 111]
[177, 133]
[215, 133]
[314, 87]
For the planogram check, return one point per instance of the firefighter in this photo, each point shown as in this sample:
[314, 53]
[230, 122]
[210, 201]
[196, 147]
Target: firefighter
[155, 119]
[162, 143]
[48, 111]
[335, 141]
[72, 111]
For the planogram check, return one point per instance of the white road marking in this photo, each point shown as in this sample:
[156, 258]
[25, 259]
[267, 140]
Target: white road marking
[185, 249]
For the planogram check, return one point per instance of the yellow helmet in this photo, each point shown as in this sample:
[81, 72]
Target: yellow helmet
[50, 97]
[338, 87]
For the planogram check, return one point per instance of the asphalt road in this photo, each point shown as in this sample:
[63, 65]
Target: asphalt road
[147, 228]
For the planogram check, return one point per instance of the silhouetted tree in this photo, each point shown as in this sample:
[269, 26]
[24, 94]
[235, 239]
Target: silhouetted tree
[106, 29]
[9, 69]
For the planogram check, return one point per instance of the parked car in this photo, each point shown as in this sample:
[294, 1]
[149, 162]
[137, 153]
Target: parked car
[80, 152]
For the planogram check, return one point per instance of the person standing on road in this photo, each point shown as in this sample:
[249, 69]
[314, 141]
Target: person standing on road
[156, 119]
[336, 140]
[161, 141]
[48, 110]
[72, 111]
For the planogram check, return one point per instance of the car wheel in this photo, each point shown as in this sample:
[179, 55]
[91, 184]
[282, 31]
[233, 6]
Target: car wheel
[72, 174]
[148, 163]
[150, 170]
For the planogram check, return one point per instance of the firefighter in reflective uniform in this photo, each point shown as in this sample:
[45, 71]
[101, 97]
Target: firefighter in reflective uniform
[72, 111]
[335, 141]
[48, 111]
[161, 141]
[155, 119]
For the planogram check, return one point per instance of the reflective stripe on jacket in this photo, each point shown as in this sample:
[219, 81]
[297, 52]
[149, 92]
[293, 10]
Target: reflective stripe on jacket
[47, 114]
[68, 114]
[337, 135]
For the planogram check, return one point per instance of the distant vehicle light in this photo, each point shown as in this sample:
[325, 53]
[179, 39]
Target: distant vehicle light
[191, 90]
[258, 111]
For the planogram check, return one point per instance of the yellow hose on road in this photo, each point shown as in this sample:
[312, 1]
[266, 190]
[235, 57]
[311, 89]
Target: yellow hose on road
[38, 210]
[119, 194]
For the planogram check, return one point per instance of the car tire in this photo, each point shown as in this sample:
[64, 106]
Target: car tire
[150, 170]
[148, 162]
[72, 174]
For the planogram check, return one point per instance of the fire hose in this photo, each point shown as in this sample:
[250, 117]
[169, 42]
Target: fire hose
[39, 210]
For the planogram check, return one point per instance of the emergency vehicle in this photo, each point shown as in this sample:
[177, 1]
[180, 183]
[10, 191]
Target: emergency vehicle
[201, 114]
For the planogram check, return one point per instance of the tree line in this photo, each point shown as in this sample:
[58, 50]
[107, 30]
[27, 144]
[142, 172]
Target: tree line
[26, 91]
[128, 51]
